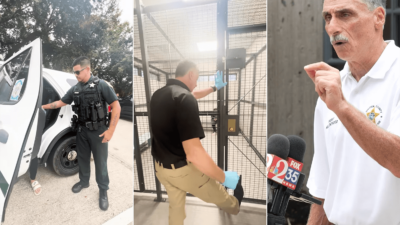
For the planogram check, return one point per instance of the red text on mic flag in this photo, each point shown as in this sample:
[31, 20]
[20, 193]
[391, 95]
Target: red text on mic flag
[284, 172]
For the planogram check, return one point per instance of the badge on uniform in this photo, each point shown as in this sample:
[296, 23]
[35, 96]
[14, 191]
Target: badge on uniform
[91, 85]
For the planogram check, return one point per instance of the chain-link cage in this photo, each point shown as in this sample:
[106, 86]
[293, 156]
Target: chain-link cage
[247, 98]
[176, 34]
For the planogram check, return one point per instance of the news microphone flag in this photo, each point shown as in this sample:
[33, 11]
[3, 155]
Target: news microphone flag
[284, 172]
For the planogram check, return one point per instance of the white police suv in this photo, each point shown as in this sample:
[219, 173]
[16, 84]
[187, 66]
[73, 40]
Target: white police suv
[26, 130]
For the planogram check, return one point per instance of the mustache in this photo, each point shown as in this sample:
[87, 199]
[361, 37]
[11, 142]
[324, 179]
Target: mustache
[339, 37]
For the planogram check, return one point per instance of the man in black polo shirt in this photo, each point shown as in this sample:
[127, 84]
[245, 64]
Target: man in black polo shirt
[182, 164]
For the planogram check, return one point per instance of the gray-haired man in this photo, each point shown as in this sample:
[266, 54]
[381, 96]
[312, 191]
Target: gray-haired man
[356, 169]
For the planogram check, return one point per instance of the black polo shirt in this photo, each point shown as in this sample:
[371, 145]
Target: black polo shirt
[174, 118]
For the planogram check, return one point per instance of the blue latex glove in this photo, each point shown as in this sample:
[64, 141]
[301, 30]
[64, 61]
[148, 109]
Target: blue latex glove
[219, 81]
[231, 179]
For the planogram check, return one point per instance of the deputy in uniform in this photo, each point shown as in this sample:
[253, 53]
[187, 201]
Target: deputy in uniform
[90, 96]
[182, 164]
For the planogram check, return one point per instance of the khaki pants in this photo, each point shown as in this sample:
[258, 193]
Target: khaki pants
[189, 179]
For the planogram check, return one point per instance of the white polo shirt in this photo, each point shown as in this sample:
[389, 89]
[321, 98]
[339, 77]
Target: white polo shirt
[357, 190]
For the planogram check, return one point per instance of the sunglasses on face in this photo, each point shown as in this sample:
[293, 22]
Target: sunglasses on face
[79, 71]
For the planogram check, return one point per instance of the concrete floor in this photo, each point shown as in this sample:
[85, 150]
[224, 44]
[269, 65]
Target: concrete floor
[58, 205]
[148, 212]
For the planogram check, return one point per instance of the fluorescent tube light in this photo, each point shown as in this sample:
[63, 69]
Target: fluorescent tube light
[207, 46]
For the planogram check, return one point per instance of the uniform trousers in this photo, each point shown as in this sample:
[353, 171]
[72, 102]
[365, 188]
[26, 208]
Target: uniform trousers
[88, 141]
[188, 178]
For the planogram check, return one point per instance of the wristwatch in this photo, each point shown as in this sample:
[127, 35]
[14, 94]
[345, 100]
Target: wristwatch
[214, 88]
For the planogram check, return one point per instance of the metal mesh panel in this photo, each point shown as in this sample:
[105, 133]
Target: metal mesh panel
[248, 100]
[246, 12]
[136, 98]
[173, 35]
[184, 28]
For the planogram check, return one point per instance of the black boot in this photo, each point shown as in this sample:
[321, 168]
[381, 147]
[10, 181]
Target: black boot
[78, 187]
[238, 192]
[103, 200]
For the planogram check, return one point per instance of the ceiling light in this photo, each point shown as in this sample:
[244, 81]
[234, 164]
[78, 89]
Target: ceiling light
[207, 46]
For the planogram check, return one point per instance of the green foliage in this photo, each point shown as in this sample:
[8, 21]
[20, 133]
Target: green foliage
[69, 29]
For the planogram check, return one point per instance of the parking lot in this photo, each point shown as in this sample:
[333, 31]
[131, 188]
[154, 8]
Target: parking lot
[58, 205]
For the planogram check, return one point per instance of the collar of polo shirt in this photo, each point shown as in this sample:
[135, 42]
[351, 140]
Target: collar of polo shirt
[177, 82]
[380, 68]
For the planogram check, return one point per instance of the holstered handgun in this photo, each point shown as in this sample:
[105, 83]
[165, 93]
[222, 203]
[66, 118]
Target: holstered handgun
[95, 125]
[89, 125]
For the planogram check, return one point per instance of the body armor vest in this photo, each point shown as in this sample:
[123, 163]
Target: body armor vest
[89, 105]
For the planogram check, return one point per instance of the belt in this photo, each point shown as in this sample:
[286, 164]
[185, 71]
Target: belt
[85, 124]
[176, 165]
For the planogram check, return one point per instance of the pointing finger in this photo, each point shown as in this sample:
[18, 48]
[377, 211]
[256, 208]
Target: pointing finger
[311, 74]
[319, 66]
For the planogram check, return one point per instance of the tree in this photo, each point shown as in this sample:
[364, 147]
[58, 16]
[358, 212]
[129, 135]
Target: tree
[114, 62]
[69, 29]
[23, 21]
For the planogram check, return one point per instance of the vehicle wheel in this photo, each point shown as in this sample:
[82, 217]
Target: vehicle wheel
[64, 157]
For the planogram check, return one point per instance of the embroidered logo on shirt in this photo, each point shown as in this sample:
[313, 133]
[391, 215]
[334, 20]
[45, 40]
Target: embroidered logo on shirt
[374, 113]
[332, 121]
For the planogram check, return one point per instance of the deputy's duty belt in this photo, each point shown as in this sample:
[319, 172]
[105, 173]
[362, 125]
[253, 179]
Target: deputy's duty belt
[92, 125]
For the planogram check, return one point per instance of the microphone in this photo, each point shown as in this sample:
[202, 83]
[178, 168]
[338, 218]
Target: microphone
[299, 144]
[297, 147]
[277, 145]
[284, 174]
[287, 176]
[277, 166]
[296, 151]
[284, 164]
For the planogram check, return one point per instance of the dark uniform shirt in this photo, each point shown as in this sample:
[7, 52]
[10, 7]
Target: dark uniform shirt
[106, 91]
[174, 119]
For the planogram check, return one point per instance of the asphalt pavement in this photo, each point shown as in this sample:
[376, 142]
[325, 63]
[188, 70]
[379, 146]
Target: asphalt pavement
[57, 204]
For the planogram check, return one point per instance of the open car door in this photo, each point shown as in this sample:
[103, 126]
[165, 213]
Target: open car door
[21, 115]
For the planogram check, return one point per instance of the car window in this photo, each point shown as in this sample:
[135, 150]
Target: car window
[13, 78]
[72, 82]
[50, 95]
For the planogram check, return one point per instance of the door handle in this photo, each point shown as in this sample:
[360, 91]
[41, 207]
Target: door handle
[3, 136]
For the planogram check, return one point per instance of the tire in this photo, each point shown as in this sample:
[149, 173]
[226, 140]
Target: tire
[58, 158]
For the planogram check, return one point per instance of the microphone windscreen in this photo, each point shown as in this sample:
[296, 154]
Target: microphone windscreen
[297, 147]
[299, 184]
[278, 145]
